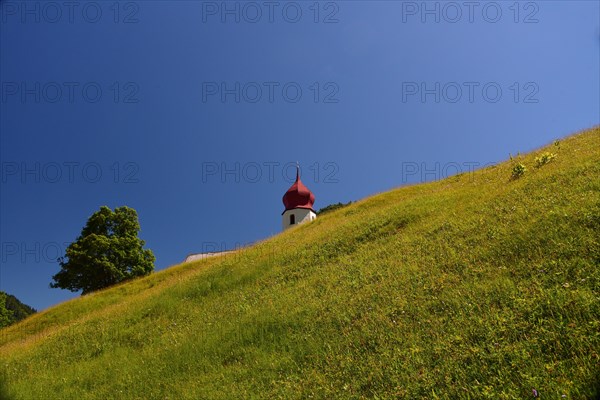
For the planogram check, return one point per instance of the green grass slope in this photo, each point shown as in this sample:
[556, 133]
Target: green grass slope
[477, 286]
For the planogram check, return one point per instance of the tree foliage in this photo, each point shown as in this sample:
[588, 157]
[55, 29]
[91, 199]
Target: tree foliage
[20, 310]
[12, 310]
[107, 252]
[332, 207]
[6, 315]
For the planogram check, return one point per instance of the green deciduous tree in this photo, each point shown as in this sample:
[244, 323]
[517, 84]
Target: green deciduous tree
[107, 252]
[6, 315]
[12, 310]
[332, 207]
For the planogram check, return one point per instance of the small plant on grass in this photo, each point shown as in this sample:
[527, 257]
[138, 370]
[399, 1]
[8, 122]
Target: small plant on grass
[518, 171]
[544, 159]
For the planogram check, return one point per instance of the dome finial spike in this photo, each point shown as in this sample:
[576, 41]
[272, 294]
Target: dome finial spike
[297, 171]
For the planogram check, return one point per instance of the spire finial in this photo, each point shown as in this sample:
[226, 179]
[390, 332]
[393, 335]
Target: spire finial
[297, 170]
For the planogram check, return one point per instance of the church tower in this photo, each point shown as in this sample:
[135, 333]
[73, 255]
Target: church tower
[298, 202]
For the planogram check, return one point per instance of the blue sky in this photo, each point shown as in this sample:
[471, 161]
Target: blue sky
[194, 113]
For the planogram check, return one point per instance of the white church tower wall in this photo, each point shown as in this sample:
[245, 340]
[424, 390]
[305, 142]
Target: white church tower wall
[297, 216]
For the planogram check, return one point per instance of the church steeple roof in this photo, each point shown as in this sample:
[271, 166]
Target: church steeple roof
[298, 195]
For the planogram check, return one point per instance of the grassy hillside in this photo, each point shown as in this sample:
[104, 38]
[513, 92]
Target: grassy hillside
[477, 286]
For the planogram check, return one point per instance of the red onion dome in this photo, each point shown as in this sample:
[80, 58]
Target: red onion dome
[298, 195]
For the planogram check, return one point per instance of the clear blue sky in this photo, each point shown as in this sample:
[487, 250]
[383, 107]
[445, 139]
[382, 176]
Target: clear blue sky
[189, 111]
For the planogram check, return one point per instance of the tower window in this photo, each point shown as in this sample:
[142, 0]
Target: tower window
[292, 219]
